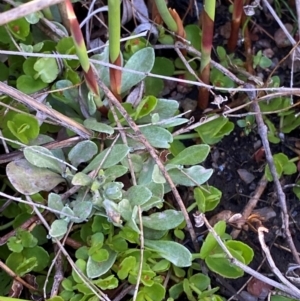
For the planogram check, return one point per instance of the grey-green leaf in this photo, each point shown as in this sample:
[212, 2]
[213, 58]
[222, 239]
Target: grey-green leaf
[81, 179]
[41, 157]
[96, 269]
[193, 176]
[29, 179]
[116, 154]
[172, 251]
[157, 136]
[165, 108]
[58, 228]
[82, 152]
[55, 202]
[82, 211]
[143, 61]
[93, 124]
[165, 220]
[192, 155]
[138, 195]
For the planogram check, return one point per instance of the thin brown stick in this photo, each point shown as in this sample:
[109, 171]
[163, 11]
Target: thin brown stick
[262, 130]
[49, 112]
[138, 281]
[250, 206]
[25, 9]
[271, 262]
[153, 154]
[12, 274]
[25, 225]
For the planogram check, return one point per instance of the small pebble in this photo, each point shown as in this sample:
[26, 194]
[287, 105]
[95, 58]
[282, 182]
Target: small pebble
[280, 37]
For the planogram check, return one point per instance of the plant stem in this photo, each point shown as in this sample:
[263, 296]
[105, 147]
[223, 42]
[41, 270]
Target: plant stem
[208, 17]
[165, 15]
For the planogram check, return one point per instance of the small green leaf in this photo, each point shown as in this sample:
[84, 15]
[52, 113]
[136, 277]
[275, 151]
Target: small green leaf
[27, 84]
[162, 66]
[47, 69]
[157, 175]
[41, 157]
[213, 131]
[192, 155]
[154, 292]
[193, 176]
[165, 108]
[282, 165]
[172, 251]
[14, 244]
[100, 255]
[27, 239]
[95, 269]
[207, 198]
[55, 202]
[244, 250]
[24, 127]
[58, 228]
[146, 106]
[34, 18]
[108, 283]
[143, 61]
[200, 281]
[81, 179]
[138, 195]
[40, 254]
[116, 154]
[220, 264]
[93, 124]
[127, 264]
[157, 136]
[26, 266]
[115, 172]
[20, 28]
[193, 35]
[165, 220]
[82, 152]
[210, 242]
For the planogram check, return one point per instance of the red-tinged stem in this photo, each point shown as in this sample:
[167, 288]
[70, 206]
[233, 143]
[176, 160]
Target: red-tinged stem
[207, 38]
[115, 76]
[235, 24]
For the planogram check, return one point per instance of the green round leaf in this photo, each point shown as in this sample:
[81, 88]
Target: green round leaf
[244, 250]
[24, 127]
[210, 242]
[47, 69]
[20, 28]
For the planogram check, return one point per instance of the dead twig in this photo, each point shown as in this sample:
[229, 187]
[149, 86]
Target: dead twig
[49, 112]
[25, 9]
[293, 289]
[250, 206]
[262, 130]
[138, 281]
[12, 274]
